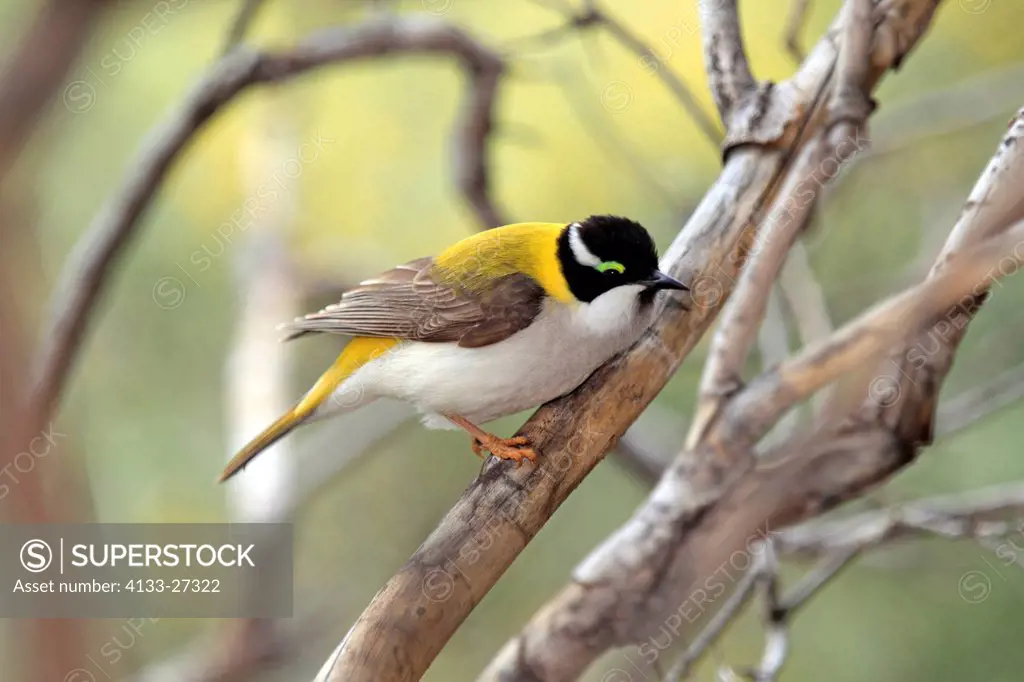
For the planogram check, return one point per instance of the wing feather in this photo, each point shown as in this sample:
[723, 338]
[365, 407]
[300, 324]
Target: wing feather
[408, 303]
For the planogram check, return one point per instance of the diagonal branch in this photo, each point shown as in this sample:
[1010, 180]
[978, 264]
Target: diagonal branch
[696, 516]
[975, 403]
[594, 16]
[700, 513]
[950, 294]
[737, 331]
[980, 513]
[112, 229]
[673, 82]
[796, 20]
[248, 10]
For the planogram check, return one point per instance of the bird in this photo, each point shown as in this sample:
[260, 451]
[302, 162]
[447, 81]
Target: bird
[501, 321]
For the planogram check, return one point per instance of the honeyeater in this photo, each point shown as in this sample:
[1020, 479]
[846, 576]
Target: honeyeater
[499, 322]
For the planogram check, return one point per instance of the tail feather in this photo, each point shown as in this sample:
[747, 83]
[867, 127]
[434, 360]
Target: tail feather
[356, 354]
[273, 433]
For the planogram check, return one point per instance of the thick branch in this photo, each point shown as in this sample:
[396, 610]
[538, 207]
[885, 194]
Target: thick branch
[505, 507]
[696, 516]
[112, 229]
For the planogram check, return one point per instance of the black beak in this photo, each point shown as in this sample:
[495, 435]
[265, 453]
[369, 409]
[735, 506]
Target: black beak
[662, 281]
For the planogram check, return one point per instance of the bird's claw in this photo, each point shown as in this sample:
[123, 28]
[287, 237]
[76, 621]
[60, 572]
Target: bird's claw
[515, 448]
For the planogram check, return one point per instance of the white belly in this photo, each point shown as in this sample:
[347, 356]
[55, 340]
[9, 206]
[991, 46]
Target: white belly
[552, 356]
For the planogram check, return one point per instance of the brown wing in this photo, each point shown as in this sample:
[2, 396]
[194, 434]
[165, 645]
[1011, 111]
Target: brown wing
[407, 303]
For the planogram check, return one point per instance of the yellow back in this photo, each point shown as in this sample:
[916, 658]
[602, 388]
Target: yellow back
[530, 248]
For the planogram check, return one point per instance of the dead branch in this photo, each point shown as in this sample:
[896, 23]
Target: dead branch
[796, 20]
[976, 403]
[737, 332]
[779, 611]
[111, 231]
[674, 83]
[593, 16]
[505, 507]
[637, 578]
[985, 515]
[248, 10]
[725, 57]
[700, 512]
[896, 320]
[982, 513]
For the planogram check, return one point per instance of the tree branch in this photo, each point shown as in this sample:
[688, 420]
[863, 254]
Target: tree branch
[594, 16]
[981, 513]
[247, 12]
[699, 514]
[504, 508]
[729, 73]
[673, 82]
[696, 516]
[951, 293]
[795, 22]
[737, 332]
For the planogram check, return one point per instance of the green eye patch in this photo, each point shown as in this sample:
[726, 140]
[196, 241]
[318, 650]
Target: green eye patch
[611, 265]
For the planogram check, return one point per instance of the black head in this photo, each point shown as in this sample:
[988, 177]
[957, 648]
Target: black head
[604, 252]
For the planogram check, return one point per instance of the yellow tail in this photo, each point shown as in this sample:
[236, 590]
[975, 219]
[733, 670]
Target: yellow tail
[356, 354]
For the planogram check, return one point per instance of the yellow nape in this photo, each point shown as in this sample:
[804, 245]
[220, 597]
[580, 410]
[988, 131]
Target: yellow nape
[357, 353]
[528, 248]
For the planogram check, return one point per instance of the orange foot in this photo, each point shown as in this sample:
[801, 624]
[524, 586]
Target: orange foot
[515, 448]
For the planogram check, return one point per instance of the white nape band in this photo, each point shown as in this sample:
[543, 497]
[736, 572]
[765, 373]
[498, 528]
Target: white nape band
[580, 251]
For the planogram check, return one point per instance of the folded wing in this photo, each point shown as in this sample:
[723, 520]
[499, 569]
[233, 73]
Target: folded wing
[408, 303]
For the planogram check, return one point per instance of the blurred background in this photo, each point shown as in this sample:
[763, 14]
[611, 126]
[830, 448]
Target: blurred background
[182, 363]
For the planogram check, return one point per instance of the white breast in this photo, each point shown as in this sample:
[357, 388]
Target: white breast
[547, 359]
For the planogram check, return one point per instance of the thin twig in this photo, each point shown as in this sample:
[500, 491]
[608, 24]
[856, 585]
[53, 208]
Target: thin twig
[674, 83]
[780, 610]
[593, 16]
[796, 20]
[980, 513]
[247, 11]
[731, 608]
[980, 401]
